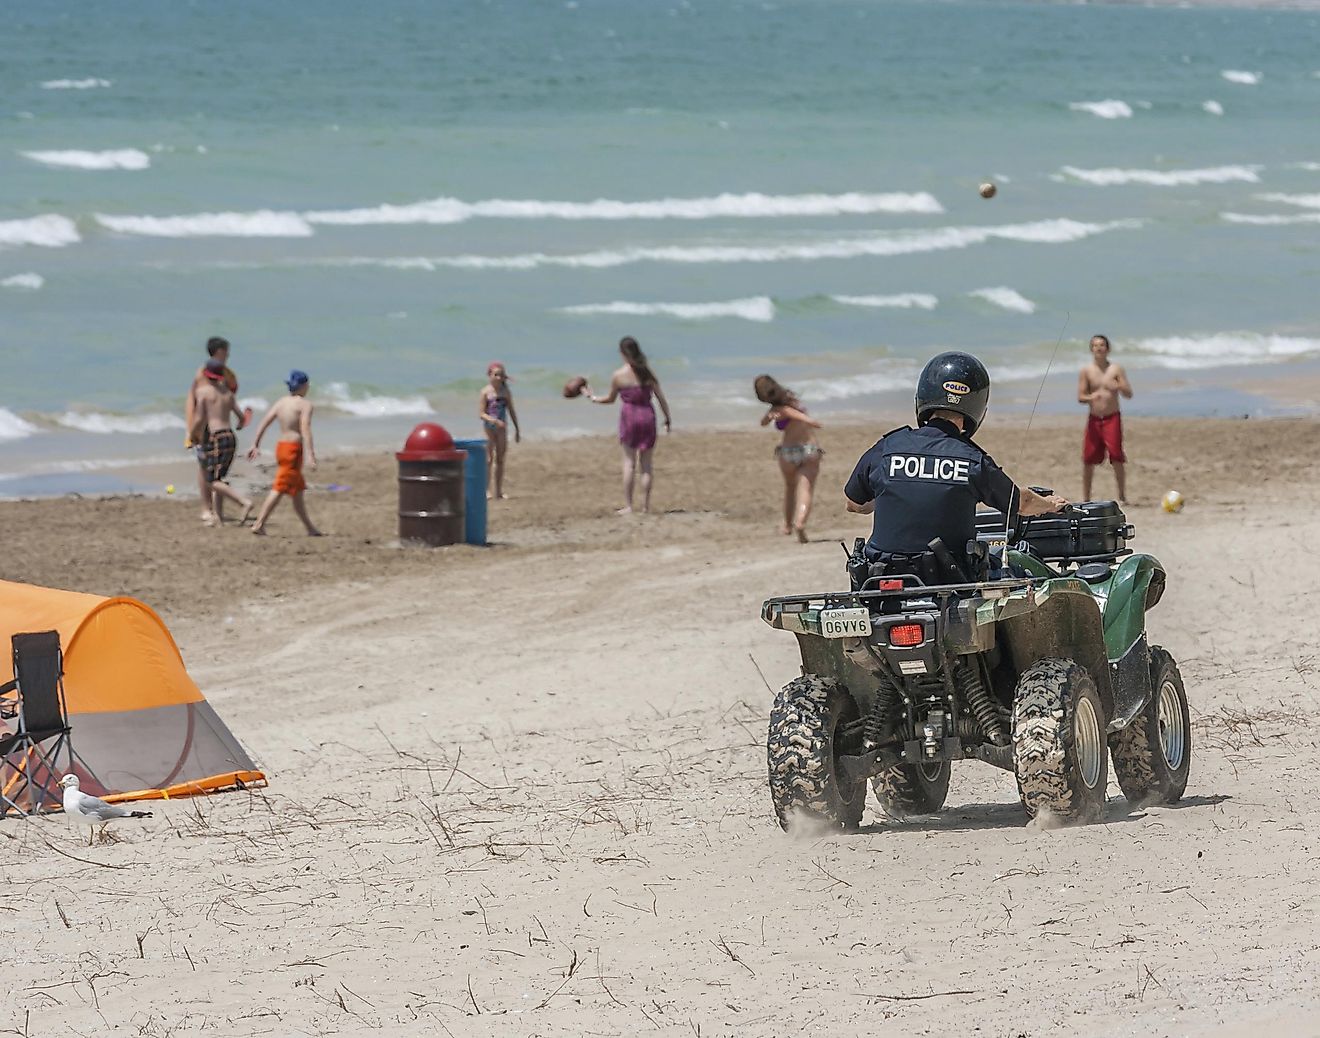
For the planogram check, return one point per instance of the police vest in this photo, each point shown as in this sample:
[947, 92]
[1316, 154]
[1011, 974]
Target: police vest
[926, 483]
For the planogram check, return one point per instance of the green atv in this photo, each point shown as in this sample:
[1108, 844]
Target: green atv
[1036, 662]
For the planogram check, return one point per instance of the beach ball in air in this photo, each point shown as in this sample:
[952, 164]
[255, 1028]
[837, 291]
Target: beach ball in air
[1172, 502]
[988, 190]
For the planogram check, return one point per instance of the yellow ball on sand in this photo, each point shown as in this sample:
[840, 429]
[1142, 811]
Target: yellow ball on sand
[988, 189]
[1172, 502]
[169, 489]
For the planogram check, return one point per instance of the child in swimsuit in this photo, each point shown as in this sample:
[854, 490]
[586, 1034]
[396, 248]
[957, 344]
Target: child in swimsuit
[496, 410]
[294, 413]
[798, 452]
[636, 384]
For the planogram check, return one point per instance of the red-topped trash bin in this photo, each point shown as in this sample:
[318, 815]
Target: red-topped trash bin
[430, 487]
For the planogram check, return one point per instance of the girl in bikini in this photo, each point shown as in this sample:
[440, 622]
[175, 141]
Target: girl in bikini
[798, 452]
[496, 410]
[636, 384]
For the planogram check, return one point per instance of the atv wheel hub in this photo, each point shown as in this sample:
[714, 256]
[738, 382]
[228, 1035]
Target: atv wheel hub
[1088, 743]
[1173, 735]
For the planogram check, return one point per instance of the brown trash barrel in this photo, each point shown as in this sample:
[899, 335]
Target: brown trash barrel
[431, 488]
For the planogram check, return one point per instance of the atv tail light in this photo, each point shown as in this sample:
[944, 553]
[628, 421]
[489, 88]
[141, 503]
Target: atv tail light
[906, 635]
[891, 585]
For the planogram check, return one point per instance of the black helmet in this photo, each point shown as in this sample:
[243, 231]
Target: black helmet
[954, 382]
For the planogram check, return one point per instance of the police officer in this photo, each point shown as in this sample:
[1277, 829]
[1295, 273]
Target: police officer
[925, 482]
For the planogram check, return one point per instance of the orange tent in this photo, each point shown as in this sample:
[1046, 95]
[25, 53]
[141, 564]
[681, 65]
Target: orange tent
[140, 727]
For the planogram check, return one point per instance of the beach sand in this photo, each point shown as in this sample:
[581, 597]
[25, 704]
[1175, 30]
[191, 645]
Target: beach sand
[521, 790]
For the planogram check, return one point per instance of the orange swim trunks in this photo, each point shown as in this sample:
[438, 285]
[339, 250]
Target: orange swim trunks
[288, 477]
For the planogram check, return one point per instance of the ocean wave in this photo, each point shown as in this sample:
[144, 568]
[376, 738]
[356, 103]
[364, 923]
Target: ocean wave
[1108, 109]
[1304, 201]
[1213, 107]
[132, 424]
[29, 282]
[121, 158]
[1236, 75]
[904, 300]
[259, 404]
[1006, 298]
[74, 465]
[867, 383]
[12, 427]
[264, 223]
[75, 84]
[1271, 219]
[755, 308]
[50, 230]
[453, 210]
[1042, 232]
[1109, 177]
[338, 396]
[1222, 349]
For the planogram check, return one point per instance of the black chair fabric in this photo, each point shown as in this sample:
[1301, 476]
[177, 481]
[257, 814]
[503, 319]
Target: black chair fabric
[37, 666]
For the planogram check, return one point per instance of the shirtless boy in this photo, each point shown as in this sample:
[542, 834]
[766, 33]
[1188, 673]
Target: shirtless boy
[215, 441]
[216, 349]
[1099, 386]
[294, 413]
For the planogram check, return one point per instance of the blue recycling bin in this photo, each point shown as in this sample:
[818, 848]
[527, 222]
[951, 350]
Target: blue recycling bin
[474, 490]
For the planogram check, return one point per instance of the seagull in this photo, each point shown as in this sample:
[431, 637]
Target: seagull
[92, 811]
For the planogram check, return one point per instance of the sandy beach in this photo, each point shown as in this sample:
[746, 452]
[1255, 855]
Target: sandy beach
[521, 790]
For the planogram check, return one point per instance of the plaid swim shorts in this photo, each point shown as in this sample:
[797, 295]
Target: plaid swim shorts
[216, 453]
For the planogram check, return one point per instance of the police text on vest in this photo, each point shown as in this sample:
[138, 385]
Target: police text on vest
[918, 466]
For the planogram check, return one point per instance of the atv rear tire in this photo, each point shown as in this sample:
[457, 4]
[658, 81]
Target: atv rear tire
[804, 780]
[1059, 742]
[1153, 755]
[912, 789]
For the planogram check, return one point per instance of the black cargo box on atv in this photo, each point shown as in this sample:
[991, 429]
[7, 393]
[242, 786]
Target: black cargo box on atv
[1096, 530]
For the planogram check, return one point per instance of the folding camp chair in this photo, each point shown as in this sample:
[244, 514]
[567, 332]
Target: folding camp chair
[29, 755]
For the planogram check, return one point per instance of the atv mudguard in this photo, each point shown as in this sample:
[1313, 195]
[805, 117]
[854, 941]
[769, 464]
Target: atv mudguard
[1135, 586]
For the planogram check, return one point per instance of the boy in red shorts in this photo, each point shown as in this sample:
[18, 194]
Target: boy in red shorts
[1099, 386]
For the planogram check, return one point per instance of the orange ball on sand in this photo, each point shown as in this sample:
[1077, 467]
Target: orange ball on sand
[574, 386]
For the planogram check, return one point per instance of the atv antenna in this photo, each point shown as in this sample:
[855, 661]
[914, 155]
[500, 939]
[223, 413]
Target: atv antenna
[1008, 516]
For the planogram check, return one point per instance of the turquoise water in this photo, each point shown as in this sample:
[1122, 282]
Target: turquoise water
[785, 186]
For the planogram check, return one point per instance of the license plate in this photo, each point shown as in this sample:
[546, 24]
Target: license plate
[845, 623]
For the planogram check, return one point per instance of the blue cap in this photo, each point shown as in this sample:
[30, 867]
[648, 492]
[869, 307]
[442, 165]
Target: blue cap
[296, 378]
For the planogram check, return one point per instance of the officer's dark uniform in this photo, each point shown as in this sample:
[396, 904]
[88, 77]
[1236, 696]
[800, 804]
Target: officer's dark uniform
[926, 483]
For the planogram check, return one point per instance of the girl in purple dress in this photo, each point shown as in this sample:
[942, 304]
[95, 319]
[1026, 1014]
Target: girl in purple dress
[636, 384]
[798, 452]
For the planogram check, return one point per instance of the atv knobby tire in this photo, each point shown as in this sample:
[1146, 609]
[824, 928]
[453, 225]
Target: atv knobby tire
[912, 789]
[1153, 755]
[804, 783]
[1059, 742]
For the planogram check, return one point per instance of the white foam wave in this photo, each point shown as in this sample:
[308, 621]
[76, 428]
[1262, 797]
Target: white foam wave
[1006, 298]
[755, 308]
[1271, 219]
[1304, 201]
[132, 424]
[864, 384]
[1310, 167]
[74, 84]
[339, 397]
[1213, 107]
[1223, 349]
[453, 210]
[904, 300]
[1108, 177]
[74, 465]
[1108, 109]
[258, 404]
[264, 223]
[1042, 232]
[121, 158]
[12, 427]
[28, 282]
[50, 230]
[1240, 76]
